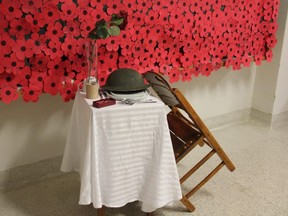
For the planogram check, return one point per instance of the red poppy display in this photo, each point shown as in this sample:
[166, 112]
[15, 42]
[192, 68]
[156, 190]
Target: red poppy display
[43, 42]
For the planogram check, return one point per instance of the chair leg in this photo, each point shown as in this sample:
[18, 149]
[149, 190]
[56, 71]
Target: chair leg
[187, 204]
[101, 211]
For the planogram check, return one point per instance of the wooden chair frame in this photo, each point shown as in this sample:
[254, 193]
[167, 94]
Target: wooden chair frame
[187, 132]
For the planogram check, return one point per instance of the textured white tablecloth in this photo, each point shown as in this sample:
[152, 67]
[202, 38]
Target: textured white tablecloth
[123, 153]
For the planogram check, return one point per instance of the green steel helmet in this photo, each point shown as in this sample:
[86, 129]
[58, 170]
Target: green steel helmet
[125, 80]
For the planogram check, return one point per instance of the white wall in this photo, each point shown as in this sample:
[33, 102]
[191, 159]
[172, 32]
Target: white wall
[270, 87]
[223, 92]
[31, 132]
[281, 94]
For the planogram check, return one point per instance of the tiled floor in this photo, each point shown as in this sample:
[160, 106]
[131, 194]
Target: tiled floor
[258, 186]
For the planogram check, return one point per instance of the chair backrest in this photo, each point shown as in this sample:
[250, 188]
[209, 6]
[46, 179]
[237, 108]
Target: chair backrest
[162, 88]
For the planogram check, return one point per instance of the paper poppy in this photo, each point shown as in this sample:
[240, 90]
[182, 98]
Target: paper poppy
[36, 22]
[12, 64]
[24, 76]
[68, 92]
[30, 6]
[52, 84]
[39, 62]
[174, 75]
[50, 12]
[8, 93]
[31, 93]
[69, 11]
[23, 48]
[37, 79]
[6, 43]
[11, 9]
[19, 28]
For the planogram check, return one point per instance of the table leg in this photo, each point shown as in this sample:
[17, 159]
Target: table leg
[101, 211]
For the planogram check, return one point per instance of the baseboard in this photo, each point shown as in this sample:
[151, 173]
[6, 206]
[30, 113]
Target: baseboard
[274, 121]
[18, 176]
[232, 118]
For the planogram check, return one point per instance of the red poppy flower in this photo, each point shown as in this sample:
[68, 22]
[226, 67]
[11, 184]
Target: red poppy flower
[125, 61]
[6, 43]
[54, 31]
[177, 16]
[85, 28]
[246, 59]
[138, 49]
[184, 4]
[30, 6]
[112, 43]
[206, 69]
[8, 93]
[109, 60]
[52, 84]
[13, 65]
[36, 22]
[69, 11]
[271, 41]
[97, 15]
[39, 62]
[39, 43]
[50, 12]
[269, 56]
[55, 49]
[9, 79]
[186, 74]
[55, 66]
[151, 18]
[19, 28]
[138, 19]
[102, 77]
[23, 48]
[217, 63]
[113, 7]
[24, 76]
[143, 5]
[195, 7]
[37, 79]
[69, 46]
[236, 64]
[11, 9]
[150, 44]
[4, 24]
[186, 59]
[174, 75]
[68, 92]
[84, 12]
[258, 59]
[31, 93]
[72, 28]
[157, 5]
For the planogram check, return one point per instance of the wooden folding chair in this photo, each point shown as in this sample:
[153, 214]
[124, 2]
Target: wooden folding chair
[187, 131]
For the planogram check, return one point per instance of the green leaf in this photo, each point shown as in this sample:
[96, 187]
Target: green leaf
[101, 23]
[114, 30]
[117, 20]
[93, 34]
[102, 33]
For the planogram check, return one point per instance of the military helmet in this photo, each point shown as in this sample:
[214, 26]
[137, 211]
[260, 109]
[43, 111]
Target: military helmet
[125, 80]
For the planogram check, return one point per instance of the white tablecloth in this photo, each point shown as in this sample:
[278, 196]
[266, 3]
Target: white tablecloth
[123, 153]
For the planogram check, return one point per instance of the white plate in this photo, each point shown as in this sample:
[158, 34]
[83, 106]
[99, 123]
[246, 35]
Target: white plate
[133, 96]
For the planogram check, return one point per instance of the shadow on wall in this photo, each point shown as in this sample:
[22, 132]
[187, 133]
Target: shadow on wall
[224, 91]
[31, 132]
